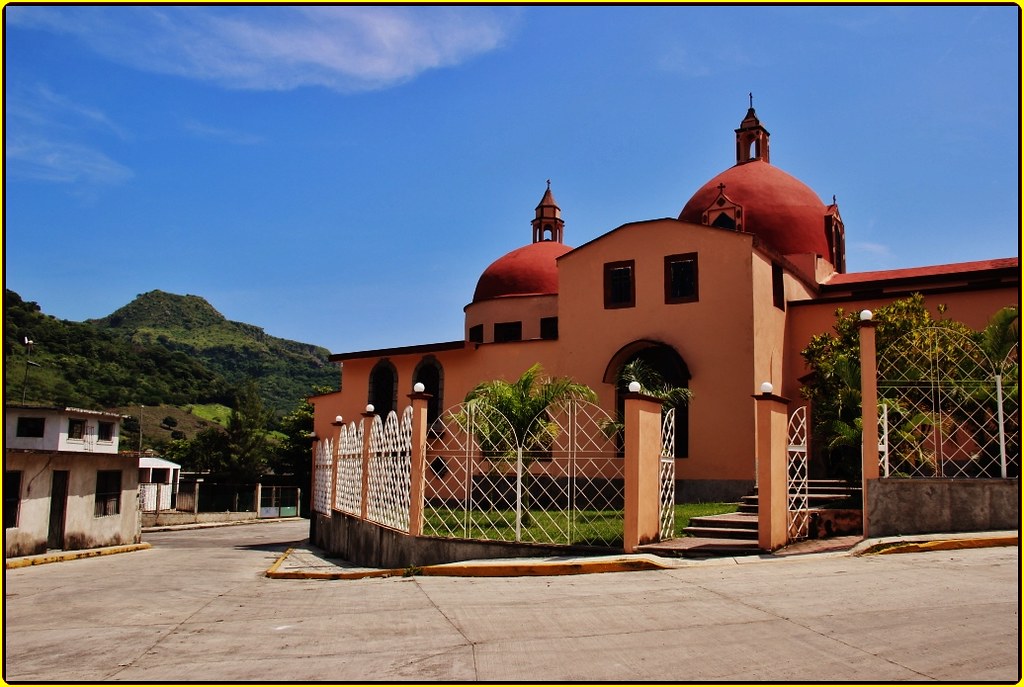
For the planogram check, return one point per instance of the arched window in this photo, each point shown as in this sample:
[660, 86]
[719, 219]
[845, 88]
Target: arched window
[430, 373]
[383, 392]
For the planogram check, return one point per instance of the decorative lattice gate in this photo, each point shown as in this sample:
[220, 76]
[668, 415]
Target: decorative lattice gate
[668, 473]
[797, 475]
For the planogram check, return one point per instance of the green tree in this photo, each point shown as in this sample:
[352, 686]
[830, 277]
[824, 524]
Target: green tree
[249, 448]
[834, 385]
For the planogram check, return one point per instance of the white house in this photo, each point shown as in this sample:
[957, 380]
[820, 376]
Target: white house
[65, 485]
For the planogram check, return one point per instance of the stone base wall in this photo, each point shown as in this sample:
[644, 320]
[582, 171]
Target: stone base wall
[368, 544]
[712, 490]
[919, 506]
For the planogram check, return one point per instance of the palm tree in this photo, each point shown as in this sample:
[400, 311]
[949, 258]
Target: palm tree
[500, 408]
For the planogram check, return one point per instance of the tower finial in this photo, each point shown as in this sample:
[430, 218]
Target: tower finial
[751, 96]
[549, 184]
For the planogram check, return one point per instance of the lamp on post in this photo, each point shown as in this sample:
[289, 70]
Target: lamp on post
[29, 343]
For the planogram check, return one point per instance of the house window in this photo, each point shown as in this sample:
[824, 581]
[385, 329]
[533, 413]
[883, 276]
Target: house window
[619, 284]
[778, 287]
[508, 331]
[108, 493]
[31, 427]
[76, 429]
[549, 327]
[383, 387]
[681, 278]
[12, 497]
[476, 333]
[105, 431]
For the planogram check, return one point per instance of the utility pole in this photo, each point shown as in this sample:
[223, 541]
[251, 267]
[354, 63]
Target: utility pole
[29, 343]
[141, 410]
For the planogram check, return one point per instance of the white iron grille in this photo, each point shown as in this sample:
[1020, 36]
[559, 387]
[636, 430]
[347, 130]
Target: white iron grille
[668, 473]
[946, 410]
[563, 485]
[322, 468]
[348, 497]
[389, 470]
[797, 474]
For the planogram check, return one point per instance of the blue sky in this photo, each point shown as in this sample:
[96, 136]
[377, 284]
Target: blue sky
[342, 175]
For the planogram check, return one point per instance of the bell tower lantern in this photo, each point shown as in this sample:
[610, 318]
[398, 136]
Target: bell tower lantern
[548, 224]
[751, 138]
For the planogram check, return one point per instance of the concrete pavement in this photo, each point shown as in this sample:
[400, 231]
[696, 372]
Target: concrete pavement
[198, 606]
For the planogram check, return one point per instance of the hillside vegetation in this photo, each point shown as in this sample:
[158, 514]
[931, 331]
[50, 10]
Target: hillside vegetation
[159, 349]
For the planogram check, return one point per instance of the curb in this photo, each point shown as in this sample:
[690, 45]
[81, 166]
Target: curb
[44, 559]
[938, 545]
[504, 569]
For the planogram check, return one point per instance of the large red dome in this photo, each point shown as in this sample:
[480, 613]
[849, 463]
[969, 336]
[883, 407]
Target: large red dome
[526, 271]
[777, 207]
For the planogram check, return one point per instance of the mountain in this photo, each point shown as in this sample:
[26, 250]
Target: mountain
[159, 349]
[284, 371]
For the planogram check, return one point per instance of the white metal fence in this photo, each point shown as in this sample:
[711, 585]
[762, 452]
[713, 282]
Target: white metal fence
[798, 497]
[390, 463]
[562, 483]
[668, 473]
[946, 409]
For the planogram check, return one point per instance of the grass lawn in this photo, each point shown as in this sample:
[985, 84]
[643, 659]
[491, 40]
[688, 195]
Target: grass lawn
[589, 528]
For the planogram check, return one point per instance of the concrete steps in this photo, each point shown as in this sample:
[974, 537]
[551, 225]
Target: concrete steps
[735, 534]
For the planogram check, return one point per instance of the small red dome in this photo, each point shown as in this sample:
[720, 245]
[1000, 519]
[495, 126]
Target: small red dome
[526, 271]
[779, 208]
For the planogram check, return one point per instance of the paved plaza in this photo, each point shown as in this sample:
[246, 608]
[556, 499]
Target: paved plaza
[198, 606]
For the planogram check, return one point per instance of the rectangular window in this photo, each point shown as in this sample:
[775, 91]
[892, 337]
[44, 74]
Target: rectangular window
[476, 333]
[105, 431]
[778, 287]
[549, 327]
[108, 492]
[619, 284]
[76, 429]
[31, 427]
[508, 331]
[681, 278]
[12, 497]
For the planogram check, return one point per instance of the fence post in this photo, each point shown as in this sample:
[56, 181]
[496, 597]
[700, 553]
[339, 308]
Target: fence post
[195, 497]
[364, 497]
[418, 457]
[869, 411]
[642, 474]
[772, 475]
[258, 496]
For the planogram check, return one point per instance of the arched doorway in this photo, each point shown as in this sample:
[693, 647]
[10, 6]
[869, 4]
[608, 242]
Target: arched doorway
[430, 373]
[383, 393]
[669, 365]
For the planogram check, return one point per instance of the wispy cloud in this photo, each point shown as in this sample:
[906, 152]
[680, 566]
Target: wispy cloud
[37, 157]
[213, 133]
[44, 138]
[345, 48]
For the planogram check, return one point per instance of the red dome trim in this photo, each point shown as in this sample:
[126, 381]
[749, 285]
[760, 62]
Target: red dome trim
[779, 208]
[527, 271]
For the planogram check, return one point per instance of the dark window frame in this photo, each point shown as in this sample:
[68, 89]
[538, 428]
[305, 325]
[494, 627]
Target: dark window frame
[505, 332]
[108, 493]
[31, 427]
[105, 432]
[778, 287]
[670, 282]
[76, 429]
[613, 298]
[549, 328]
[476, 333]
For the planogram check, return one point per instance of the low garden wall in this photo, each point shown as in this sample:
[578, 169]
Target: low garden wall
[934, 505]
[169, 518]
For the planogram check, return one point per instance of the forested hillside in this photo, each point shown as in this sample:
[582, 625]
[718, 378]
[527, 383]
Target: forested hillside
[159, 349]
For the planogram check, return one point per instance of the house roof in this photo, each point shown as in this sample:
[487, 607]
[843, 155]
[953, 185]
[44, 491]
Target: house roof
[68, 410]
[926, 273]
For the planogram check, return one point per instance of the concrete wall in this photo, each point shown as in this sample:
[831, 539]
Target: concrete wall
[165, 519]
[82, 529]
[367, 544]
[917, 506]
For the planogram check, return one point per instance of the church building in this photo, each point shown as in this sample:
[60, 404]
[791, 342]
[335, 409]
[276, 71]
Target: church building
[718, 299]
